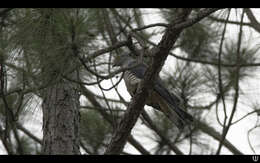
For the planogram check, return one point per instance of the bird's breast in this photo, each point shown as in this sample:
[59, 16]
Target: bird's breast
[131, 78]
[131, 82]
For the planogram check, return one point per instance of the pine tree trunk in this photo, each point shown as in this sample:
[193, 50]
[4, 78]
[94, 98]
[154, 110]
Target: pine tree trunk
[61, 119]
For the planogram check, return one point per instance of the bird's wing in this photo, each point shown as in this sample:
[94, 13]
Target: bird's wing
[168, 111]
[162, 92]
[138, 70]
[173, 101]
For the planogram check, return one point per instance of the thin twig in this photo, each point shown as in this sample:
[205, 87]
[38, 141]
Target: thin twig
[225, 130]
[220, 85]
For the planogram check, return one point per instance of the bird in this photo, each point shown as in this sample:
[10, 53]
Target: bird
[160, 98]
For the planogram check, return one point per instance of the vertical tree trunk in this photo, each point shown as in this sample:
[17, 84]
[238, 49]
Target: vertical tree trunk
[61, 119]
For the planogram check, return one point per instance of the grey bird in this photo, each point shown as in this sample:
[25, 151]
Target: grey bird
[159, 98]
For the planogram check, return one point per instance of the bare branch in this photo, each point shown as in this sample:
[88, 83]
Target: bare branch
[254, 23]
[226, 128]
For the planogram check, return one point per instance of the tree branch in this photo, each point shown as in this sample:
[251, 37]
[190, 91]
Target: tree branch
[236, 96]
[254, 23]
[159, 56]
[220, 84]
[138, 101]
[28, 133]
[212, 132]
[158, 132]
[106, 50]
[91, 97]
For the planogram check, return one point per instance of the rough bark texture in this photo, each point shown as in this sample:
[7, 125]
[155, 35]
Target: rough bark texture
[61, 119]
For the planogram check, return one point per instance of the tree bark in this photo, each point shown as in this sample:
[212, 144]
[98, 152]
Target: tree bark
[61, 119]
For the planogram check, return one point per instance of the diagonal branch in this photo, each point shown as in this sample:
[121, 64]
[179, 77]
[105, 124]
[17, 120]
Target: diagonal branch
[28, 133]
[254, 23]
[138, 101]
[217, 136]
[91, 97]
[159, 56]
[162, 136]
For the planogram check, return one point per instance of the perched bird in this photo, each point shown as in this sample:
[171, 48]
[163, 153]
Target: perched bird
[159, 98]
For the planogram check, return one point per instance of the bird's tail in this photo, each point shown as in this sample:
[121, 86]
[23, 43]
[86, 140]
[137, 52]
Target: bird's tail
[175, 114]
[171, 106]
[178, 116]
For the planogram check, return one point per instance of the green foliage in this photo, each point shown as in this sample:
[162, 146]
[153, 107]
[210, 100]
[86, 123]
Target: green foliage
[228, 75]
[42, 39]
[246, 56]
[199, 40]
[186, 80]
[28, 146]
[94, 131]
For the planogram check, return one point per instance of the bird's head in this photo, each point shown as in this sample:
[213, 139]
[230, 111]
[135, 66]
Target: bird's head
[122, 60]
